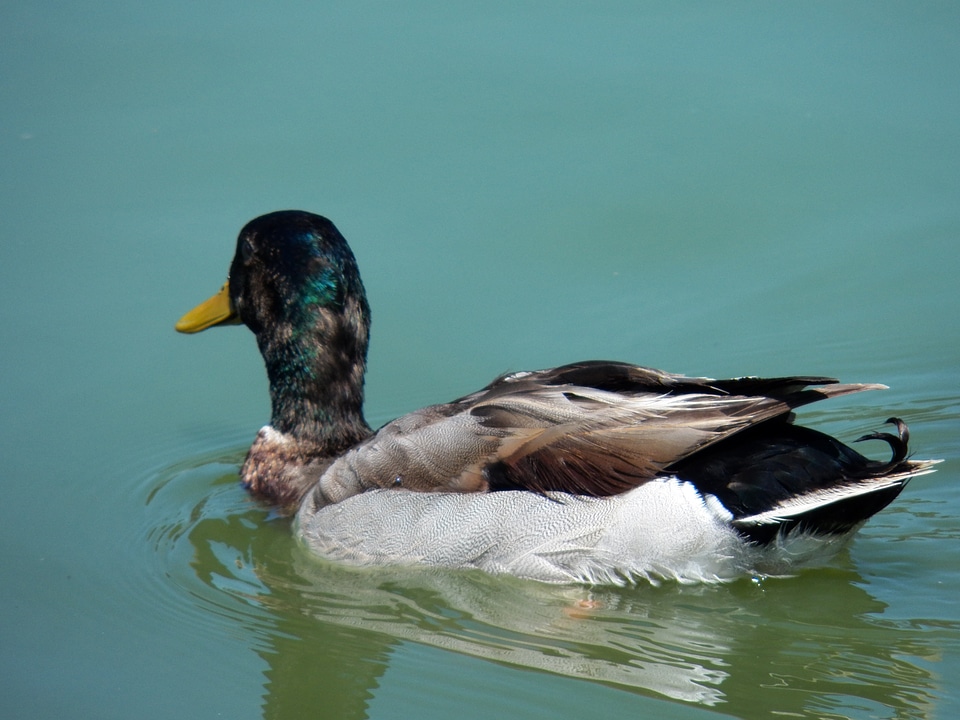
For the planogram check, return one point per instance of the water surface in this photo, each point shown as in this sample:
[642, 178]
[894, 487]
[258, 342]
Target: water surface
[746, 189]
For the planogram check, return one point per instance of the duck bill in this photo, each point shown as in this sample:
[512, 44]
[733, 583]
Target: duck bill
[218, 310]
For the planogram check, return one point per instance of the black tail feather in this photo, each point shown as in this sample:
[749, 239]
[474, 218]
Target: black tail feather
[898, 443]
[798, 478]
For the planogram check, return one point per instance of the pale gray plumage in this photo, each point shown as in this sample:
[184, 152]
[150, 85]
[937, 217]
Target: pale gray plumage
[663, 530]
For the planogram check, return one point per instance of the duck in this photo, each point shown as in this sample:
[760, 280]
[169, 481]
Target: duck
[594, 472]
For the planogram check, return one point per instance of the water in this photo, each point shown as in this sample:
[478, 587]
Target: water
[746, 189]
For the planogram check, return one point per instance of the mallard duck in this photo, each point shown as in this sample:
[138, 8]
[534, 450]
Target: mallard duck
[590, 472]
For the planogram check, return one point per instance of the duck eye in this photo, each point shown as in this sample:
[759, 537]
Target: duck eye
[246, 250]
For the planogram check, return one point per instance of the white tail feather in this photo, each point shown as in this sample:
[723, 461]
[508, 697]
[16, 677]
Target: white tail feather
[802, 504]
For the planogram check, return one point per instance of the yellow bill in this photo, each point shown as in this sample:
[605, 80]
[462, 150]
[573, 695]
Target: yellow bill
[218, 310]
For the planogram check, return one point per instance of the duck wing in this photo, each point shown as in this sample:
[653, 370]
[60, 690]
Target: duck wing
[593, 428]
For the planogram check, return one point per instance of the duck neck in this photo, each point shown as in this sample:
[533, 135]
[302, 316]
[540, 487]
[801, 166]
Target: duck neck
[317, 396]
[315, 358]
[317, 416]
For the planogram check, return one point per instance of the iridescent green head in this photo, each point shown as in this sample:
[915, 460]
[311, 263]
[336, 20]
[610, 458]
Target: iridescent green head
[294, 282]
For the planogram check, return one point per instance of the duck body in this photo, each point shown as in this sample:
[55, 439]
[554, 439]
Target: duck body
[590, 472]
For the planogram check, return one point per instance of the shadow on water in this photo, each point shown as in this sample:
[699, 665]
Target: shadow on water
[812, 646]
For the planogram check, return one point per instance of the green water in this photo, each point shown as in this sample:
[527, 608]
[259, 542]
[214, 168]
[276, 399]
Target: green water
[730, 189]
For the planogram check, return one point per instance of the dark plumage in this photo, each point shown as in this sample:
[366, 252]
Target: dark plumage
[600, 429]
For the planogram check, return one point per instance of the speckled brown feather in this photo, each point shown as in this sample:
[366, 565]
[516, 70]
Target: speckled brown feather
[547, 430]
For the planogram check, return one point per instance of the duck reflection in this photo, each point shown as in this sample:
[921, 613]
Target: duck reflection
[805, 646]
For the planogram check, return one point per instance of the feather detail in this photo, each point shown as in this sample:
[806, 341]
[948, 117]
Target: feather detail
[549, 431]
[796, 507]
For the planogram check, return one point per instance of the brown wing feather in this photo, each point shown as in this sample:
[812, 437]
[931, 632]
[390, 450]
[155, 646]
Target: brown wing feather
[639, 423]
[590, 428]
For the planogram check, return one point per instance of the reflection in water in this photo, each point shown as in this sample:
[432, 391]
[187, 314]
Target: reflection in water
[810, 646]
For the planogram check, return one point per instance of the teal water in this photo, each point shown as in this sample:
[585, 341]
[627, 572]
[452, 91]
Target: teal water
[716, 190]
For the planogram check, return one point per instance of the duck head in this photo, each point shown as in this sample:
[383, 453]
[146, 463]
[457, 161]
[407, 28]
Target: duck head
[294, 282]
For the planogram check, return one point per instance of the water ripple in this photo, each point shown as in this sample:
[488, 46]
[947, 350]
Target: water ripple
[215, 564]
